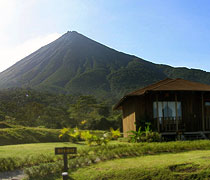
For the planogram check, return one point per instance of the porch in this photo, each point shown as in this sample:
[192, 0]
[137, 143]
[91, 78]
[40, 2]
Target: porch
[181, 111]
[170, 124]
[173, 124]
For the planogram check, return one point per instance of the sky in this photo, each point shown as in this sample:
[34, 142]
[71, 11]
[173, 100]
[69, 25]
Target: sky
[172, 32]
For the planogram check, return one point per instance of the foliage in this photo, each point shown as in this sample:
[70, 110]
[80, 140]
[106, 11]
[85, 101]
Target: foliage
[88, 113]
[115, 133]
[22, 135]
[93, 139]
[136, 135]
[28, 107]
[83, 110]
[144, 136]
[63, 132]
[151, 137]
[32, 108]
[147, 128]
[72, 133]
[96, 154]
[5, 125]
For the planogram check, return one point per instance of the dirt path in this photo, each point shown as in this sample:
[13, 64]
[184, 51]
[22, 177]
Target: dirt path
[12, 175]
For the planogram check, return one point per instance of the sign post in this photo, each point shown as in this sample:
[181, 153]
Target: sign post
[64, 151]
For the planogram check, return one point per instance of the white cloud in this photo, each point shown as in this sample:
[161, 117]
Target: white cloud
[9, 56]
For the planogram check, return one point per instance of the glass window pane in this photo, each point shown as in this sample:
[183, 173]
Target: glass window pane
[207, 103]
[154, 109]
[171, 109]
[165, 109]
[160, 109]
[179, 109]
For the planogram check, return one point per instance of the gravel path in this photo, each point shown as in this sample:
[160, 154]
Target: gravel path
[12, 175]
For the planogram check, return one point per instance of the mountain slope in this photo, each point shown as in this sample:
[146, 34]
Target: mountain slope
[76, 64]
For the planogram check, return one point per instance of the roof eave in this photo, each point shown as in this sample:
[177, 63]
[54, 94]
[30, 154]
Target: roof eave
[118, 105]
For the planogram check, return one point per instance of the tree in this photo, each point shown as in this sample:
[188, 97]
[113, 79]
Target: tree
[88, 113]
[84, 110]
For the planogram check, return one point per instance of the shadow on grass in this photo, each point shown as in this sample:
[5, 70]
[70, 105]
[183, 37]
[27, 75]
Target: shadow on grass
[76, 143]
[54, 177]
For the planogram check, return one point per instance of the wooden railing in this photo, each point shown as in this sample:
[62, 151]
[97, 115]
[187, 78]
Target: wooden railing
[170, 124]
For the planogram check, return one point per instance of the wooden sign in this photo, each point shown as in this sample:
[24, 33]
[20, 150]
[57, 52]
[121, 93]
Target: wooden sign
[65, 150]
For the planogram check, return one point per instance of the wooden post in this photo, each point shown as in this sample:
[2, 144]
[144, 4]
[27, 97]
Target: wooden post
[64, 151]
[158, 122]
[203, 118]
[65, 160]
[65, 168]
[177, 123]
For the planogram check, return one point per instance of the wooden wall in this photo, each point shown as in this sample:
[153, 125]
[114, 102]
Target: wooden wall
[129, 117]
[192, 111]
[135, 109]
[133, 113]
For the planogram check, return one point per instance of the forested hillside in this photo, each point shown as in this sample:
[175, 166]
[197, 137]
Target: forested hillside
[75, 64]
[33, 108]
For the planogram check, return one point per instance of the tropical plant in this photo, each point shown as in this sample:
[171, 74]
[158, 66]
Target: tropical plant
[72, 133]
[93, 139]
[144, 136]
[147, 128]
[135, 135]
[115, 133]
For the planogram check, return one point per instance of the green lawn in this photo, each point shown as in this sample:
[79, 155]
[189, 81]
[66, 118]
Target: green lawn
[185, 165]
[38, 160]
[26, 155]
[24, 150]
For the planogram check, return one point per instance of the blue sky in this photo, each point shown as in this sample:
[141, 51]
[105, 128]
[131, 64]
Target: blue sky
[173, 32]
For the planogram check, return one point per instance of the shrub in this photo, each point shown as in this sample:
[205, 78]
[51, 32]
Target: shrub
[92, 139]
[96, 154]
[12, 163]
[150, 137]
[72, 133]
[136, 135]
[144, 136]
[22, 135]
[124, 139]
[115, 133]
[4, 125]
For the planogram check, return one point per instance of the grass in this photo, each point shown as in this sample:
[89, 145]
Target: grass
[185, 165]
[26, 155]
[88, 156]
[25, 150]
[36, 149]
[40, 160]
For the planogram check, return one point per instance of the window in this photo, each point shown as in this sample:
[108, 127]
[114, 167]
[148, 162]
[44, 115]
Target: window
[167, 109]
[207, 103]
